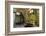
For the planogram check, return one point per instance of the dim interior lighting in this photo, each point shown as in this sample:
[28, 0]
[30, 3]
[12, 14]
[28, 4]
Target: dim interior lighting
[17, 13]
[31, 11]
